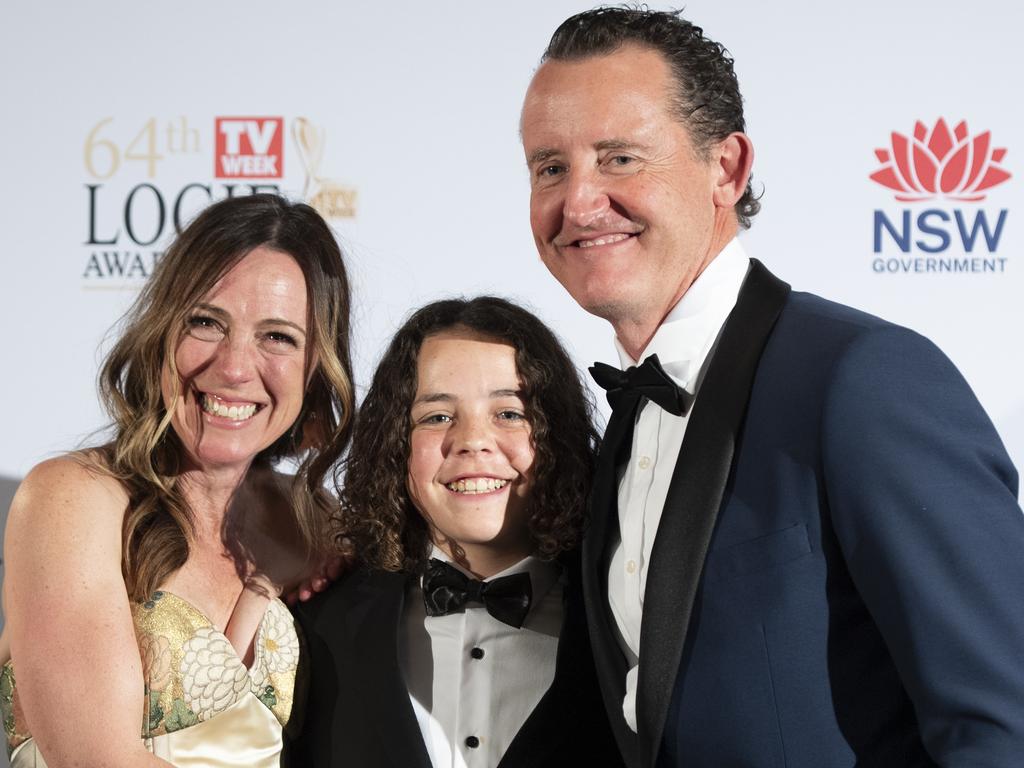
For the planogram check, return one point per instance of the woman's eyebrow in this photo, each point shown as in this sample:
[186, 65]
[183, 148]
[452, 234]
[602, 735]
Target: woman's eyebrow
[282, 321]
[213, 309]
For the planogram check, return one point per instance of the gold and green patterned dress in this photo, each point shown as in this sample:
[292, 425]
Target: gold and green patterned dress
[202, 706]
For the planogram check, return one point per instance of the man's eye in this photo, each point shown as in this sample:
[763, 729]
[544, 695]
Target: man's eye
[550, 171]
[621, 160]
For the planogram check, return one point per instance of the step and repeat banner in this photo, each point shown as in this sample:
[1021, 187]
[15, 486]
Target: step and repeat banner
[888, 148]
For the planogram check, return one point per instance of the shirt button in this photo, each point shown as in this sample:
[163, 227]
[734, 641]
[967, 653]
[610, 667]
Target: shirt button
[631, 567]
[644, 462]
[472, 742]
[477, 653]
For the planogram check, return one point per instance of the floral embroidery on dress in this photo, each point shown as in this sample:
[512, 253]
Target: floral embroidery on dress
[277, 646]
[192, 672]
[212, 676]
[10, 709]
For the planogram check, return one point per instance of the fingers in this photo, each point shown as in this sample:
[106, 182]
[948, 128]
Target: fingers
[334, 567]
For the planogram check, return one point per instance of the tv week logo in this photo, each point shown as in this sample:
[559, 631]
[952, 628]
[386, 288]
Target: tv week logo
[249, 147]
[937, 163]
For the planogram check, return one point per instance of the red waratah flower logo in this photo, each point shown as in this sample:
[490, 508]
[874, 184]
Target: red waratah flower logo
[938, 162]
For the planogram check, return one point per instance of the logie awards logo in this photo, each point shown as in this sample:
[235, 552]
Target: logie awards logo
[146, 179]
[951, 166]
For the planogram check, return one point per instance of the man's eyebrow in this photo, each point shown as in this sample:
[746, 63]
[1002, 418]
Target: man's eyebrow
[543, 154]
[540, 155]
[619, 144]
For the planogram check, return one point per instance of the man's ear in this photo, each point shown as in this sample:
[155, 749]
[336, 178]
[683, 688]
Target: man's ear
[734, 157]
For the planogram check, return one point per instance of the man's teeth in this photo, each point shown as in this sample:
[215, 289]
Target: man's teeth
[235, 412]
[606, 240]
[476, 485]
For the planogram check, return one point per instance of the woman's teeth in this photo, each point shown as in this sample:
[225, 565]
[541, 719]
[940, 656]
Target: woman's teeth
[214, 407]
[476, 485]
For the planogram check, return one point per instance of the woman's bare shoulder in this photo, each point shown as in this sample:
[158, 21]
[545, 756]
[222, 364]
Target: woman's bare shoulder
[71, 488]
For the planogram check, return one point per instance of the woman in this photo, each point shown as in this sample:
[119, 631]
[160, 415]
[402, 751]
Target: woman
[461, 640]
[142, 575]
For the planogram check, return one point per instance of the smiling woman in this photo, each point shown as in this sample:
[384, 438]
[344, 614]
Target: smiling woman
[142, 575]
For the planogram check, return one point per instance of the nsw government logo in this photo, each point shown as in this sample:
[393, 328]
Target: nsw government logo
[941, 176]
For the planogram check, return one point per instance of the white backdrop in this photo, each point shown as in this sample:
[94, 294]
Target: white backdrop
[413, 109]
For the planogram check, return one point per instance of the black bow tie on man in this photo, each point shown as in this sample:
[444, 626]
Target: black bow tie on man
[447, 590]
[625, 388]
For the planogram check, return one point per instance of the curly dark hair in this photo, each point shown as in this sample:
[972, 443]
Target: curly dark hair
[707, 98]
[378, 522]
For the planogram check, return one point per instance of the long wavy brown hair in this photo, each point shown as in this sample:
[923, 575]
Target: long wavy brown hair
[379, 523]
[145, 453]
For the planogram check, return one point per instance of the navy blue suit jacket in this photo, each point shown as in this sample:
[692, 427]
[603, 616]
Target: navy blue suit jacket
[838, 575]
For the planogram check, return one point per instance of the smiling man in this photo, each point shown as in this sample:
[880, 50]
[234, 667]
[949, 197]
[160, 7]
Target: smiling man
[805, 546]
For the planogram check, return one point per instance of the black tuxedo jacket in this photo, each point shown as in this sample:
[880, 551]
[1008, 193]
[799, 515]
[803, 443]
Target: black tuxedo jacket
[838, 574]
[356, 711]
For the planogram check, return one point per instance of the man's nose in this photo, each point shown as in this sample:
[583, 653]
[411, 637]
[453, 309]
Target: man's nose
[585, 198]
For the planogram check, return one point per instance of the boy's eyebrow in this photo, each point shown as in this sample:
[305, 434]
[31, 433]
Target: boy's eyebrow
[444, 397]
[434, 397]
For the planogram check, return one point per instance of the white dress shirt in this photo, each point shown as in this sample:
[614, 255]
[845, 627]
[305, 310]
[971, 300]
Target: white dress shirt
[474, 680]
[683, 344]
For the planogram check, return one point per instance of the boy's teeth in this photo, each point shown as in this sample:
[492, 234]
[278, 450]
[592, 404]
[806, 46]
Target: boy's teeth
[476, 485]
[212, 406]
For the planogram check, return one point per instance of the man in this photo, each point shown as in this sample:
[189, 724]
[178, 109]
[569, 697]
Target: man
[809, 551]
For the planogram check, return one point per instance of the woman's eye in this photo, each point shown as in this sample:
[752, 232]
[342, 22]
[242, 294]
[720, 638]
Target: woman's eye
[204, 328]
[282, 338]
[508, 415]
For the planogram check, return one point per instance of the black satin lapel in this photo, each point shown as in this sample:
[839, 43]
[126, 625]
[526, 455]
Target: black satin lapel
[365, 625]
[694, 497]
[608, 658]
[535, 741]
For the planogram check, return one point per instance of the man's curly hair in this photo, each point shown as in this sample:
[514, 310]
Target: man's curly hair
[378, 522]
[707, 96]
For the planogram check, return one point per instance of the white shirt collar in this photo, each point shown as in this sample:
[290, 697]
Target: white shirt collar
[686, 336]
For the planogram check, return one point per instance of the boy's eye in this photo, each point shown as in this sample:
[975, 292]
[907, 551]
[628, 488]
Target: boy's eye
[436, 418]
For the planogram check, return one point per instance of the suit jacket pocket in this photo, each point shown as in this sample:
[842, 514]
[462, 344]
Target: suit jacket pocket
[758, 554]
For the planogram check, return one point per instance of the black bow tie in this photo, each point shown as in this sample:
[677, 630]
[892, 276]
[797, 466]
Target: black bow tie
[648, 380]
[447, 590]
